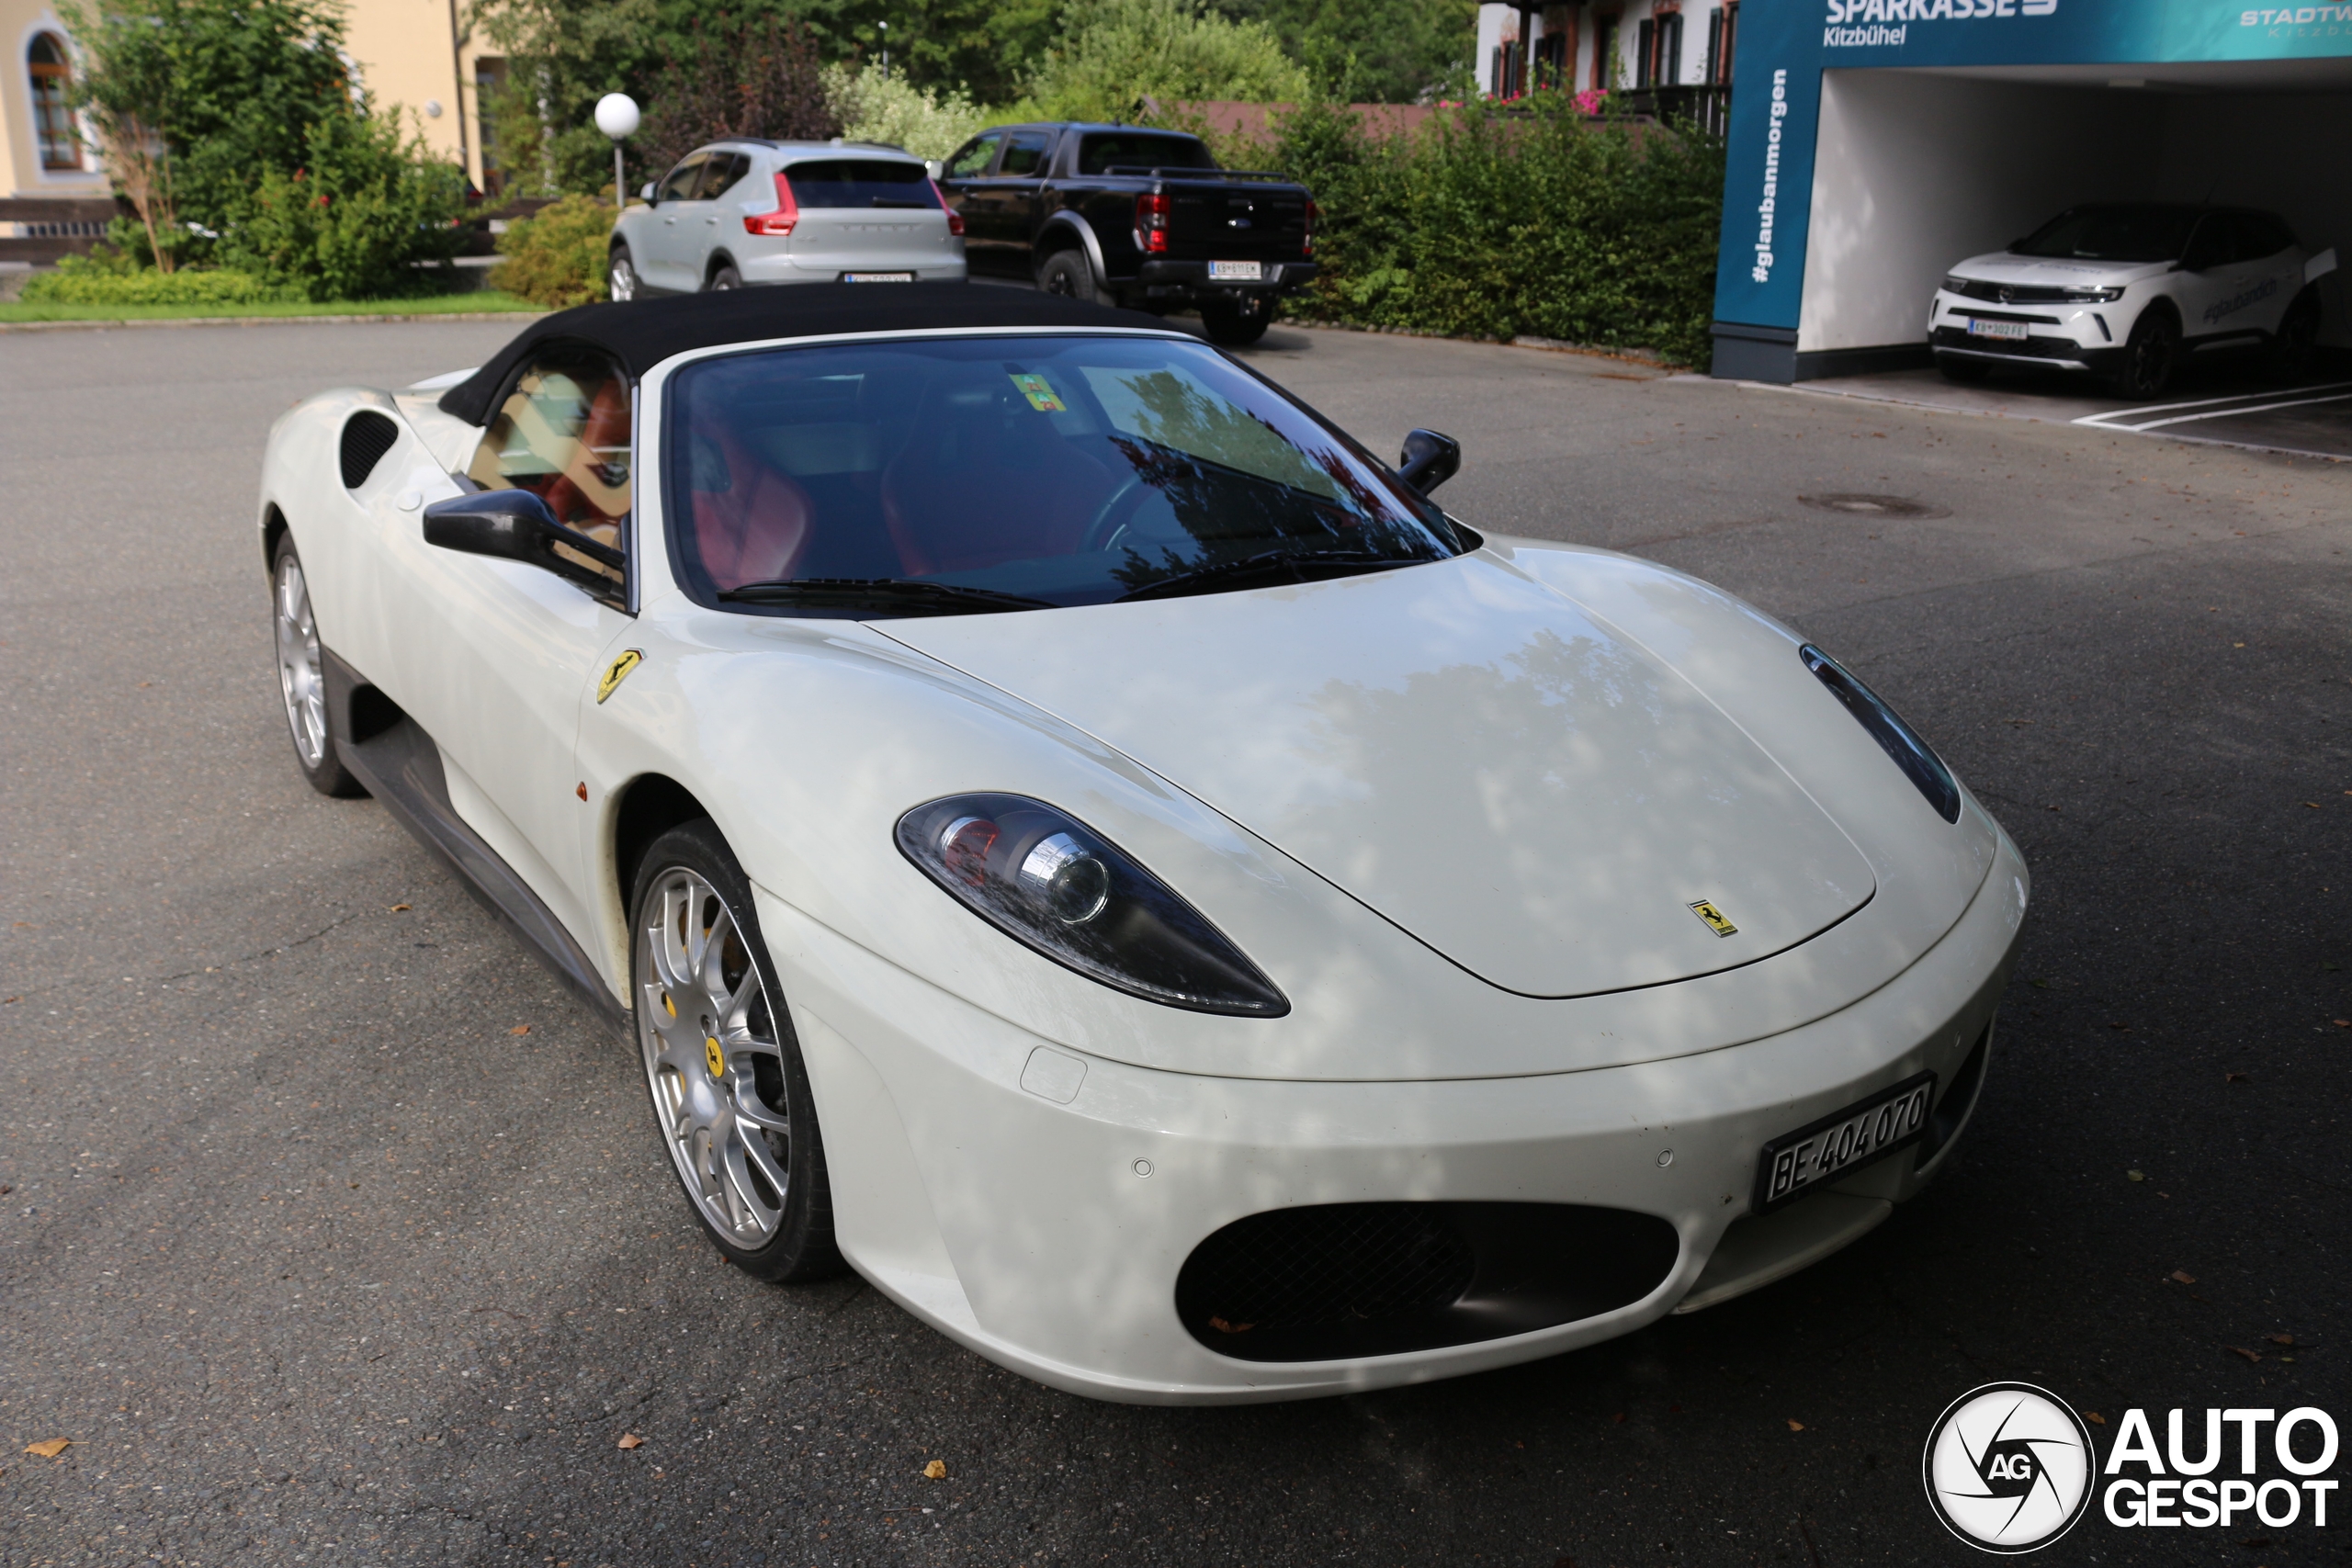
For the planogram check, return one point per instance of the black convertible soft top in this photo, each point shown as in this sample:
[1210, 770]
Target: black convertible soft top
[644, 333]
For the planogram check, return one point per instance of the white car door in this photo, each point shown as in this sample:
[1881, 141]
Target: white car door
[673, 235]
[492, 657]
[2209, 275]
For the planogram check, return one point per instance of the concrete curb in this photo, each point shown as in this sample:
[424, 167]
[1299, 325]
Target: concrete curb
[269, 320]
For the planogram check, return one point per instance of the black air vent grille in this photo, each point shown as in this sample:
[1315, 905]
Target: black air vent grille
[367, 436]
[1338, 1280]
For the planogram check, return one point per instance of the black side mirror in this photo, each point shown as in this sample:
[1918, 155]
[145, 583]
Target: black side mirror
[1429, 460]
[515, 524]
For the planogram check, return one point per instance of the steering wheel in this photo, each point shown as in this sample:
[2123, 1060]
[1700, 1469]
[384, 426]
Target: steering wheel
[1115, 514]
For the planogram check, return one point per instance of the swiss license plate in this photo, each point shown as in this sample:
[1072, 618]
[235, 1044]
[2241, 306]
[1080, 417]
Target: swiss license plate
[1815, 1156]
[1978, 327]
[1236, 272]
[877, 277]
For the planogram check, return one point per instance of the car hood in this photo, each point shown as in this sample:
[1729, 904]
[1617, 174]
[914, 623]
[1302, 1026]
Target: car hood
[1469, 754]
[2001, 266]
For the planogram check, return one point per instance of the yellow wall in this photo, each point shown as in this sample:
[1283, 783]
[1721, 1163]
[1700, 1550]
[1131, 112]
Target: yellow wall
[20, 167]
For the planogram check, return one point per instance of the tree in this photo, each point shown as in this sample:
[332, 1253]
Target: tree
[762, 81]
[193, 98]
[1118, 52]
[1392, 51]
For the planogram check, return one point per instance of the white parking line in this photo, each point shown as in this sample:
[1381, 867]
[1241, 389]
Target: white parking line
[2114, 418]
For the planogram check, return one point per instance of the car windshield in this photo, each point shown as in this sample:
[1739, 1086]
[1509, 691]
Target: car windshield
[2113, 234]
[948, 475]
[1110, 149]
[860, 182]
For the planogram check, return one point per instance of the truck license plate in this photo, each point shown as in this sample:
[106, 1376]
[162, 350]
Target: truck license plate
[1977, 327]
[1236, 272]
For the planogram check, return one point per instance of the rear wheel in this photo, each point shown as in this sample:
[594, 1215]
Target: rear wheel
[1066, 274]
[2298, 341]
[2150, 357]
[301, 677]
[621, 275]
[1967, 372]
[730, 1093]
[726, 277]
[1232, 325]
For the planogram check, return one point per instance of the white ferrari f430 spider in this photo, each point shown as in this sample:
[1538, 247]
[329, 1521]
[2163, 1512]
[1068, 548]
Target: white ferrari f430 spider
[1073, 837]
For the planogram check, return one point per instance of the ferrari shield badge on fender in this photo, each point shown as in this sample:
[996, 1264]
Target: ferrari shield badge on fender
[617, 672]
[1709, 913]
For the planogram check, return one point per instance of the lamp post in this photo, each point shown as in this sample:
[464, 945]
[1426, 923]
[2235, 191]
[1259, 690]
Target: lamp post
[617, 116]
[886, 50]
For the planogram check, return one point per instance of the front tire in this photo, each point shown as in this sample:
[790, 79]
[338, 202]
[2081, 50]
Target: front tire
[301, 677]
[730, 1093]
[1066, 272]
[622, 283]
[2150, 355]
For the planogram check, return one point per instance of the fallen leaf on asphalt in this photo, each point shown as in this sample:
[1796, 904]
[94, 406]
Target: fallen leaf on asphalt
[50, 1448]
[630, 1440]
[2233, 1077]
[1796, 1425]
[2135, 1176]
[520, 1029]
[397, 910]
[2119, 1026]
[2254, 1356]
[1618, 1419]
[935, 1471]
[2094, 1417]
[2282, 1338]
[2313, 804]
[2341, 1022]
[2184, 1277]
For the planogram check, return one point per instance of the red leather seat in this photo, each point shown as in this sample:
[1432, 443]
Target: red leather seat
[983, 483]
[758, 528]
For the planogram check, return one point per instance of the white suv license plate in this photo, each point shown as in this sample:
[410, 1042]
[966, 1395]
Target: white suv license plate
[877, 277]
[1236, 272]
[1797, 1163]
[2012, 330]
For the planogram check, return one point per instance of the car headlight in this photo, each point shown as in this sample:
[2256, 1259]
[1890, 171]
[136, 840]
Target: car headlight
[1048, 881]
[2093, 296]
[1956, 285]
[1899, 740]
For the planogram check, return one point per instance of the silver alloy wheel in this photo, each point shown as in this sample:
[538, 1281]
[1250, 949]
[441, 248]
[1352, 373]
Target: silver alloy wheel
[712, 1058]
[299, 678]
[623, 286]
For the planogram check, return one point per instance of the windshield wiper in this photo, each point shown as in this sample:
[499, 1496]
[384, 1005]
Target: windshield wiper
[1274, 566]
[882, 593]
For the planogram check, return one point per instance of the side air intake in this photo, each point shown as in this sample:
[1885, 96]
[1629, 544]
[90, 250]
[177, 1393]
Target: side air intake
[367, 436]
[1332, 1282]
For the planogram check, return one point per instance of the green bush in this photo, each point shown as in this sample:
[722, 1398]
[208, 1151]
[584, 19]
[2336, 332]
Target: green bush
[558, 257]
[926, 122]
[106, 279]
[353, 221]
[1117, 52]
[1532, 222]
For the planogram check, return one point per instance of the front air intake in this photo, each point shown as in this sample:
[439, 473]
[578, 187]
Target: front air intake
[367, 436]
[1335, 1282]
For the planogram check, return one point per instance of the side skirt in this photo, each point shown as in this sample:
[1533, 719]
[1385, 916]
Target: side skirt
[402, 768]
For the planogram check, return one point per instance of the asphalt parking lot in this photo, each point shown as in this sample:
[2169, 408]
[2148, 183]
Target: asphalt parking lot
[332, 1232]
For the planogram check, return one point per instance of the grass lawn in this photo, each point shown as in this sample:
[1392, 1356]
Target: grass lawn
[484, 301]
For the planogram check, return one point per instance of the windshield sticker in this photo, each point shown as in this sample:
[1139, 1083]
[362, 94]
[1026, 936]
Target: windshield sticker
[1040, 394]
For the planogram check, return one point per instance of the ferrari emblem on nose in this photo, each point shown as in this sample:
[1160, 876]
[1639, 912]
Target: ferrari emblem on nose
[1713, 917]
[617, 672]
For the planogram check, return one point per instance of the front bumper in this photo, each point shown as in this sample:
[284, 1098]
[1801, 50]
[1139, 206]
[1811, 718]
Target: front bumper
[1037, 1205]
[2070, 336]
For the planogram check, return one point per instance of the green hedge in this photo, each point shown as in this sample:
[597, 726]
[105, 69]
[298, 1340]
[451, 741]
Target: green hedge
[106, 279]
[1536, 221]
[557, 257]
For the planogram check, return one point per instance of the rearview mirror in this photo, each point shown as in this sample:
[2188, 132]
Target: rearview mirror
[1429, 460]
[515, 524]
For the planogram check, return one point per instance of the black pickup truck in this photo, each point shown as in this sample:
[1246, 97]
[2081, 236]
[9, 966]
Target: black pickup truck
[1136, 217]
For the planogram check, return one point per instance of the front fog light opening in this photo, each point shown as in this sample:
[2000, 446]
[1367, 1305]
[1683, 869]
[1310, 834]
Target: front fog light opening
[1056, 887]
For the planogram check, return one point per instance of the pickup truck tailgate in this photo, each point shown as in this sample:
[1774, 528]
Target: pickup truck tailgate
[1208, 221]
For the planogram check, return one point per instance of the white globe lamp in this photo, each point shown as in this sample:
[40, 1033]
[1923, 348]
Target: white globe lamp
[617, 116]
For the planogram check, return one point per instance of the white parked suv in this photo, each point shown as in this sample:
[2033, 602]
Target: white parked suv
[744, 212]
[2130, 292]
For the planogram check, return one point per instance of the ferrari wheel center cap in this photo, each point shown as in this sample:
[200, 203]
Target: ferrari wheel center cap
[713, 1056]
